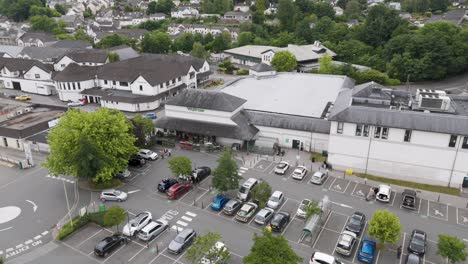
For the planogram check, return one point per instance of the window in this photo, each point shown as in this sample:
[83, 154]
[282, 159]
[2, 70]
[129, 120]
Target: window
[465, 143]
[366, 131]
[114, 83]
[407, 137]
[17, 144]
[453, 141]
[192, 75]
[358, 130]
[123, 83]
[141, 87]
[385, 132]
[179, 79]
[79, 86]
[74, 87]
[62, 65]
[37, 76]
[68, 85]
[167, 83]
[105, 81]
[377, 132]
[339, 128]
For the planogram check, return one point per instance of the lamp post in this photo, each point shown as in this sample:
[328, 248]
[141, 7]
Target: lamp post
[68, 204]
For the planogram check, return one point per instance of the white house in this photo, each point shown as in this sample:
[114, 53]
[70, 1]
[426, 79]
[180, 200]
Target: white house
[176, 29]
[83, 57]
[26, 75]
[241, 7]
[184, 11]
[134, 85]
[36, 39]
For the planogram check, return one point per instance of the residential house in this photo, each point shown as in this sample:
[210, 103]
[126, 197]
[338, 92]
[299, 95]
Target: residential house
[177, 29]
[30, 76]
[241, 7]
[72, 22]
[395, 5]
[96, 5]
[82, 57]
[135, 18]
[184, 12]
[133, 85]
[338, 10]
[9, 36]
[36, 39]
[271, 10]
[11, 51]
[72, 44]
[237, 16]
[307, 56]
[47, 55]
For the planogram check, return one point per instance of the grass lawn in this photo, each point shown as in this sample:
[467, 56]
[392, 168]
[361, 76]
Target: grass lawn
[413, 185]
[318, 157]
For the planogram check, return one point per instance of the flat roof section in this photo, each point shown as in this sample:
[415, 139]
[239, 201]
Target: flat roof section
[26, 120]
[301, 94]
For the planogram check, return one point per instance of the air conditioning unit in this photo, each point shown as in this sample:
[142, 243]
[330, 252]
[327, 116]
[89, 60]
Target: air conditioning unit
[28, 109]
[420, 92]
[434, 102]
[19, 112]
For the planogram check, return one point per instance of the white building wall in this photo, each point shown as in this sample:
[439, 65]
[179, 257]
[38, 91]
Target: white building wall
[227, 141]
[311, 141]
[202, 115]
[66, 92]
[63, 63]
[35, 73]
[242, 62]
[11, 143]
[128, 107]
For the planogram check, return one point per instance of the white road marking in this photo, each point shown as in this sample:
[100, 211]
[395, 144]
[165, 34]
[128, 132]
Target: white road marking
[342, 205]
[139, 251]
[182, 223]
[402, 248]
[186, 218]
[244, 168]
[465, 239]
[37, 237]
[190, 214]
[81, 243]
[6, 229]
[19, 246]
[9, 250]
[45, 233]
[320, 233]
[1, 252]
[176, 228]
[130, 192]
[27, 242]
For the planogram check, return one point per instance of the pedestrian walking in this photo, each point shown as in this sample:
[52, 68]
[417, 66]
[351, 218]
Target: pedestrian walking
[399, 252]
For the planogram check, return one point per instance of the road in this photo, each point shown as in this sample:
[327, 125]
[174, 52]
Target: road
[192, 210]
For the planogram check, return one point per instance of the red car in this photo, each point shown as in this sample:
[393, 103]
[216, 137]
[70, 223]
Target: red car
[178, 189]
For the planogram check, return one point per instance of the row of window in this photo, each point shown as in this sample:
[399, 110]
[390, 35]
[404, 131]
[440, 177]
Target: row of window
[382, 132]
[70, 86]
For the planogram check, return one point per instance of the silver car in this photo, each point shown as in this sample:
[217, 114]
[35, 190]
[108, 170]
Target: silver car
[276, 199]
[113, 195]
[264, 216]
[346, 243]
[319, 178]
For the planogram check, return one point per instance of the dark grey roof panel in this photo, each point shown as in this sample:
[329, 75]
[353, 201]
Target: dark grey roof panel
[211, 100]
[262, 67]
[14, 64]
[75, 73]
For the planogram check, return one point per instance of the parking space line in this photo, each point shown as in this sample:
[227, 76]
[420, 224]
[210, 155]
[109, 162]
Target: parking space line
[139, 251]
[331, 185]
[113, 254]
[403, 247]
[78, 251]
[446, 211]
[182, 223]
[342, 229]
[199, 197]
[282, 205]
[183, 196]
[81, 243]
[354, 189]
[157, 255]
[134, 242]
[320, 233]
[377, 259]
[349, 182]
[282, 233]
[394, 198]
[190, 214]
[177, 260]
[186, 218]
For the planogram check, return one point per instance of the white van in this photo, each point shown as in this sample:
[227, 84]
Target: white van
[246, 188]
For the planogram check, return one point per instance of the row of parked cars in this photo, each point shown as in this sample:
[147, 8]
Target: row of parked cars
[300, 172]
[174, 188]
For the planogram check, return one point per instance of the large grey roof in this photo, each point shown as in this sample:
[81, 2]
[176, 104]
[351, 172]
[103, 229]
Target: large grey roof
[262, 67]
[13, 51]
[43, 36]
[43, 53]
[72, 44]
[211, 100]
[125, 52]
[87, 55]
[75, 73]
[301, 123]
[14, 64]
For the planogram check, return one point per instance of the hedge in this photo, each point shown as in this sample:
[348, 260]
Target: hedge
[80, 221]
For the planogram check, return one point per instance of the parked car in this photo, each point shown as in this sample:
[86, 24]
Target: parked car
[113, 195]
[246, 212]
[136, 161]
[417, 243]
[412, 258]
[213, 255]
[322, 258]
[166, 183]
[409, 199]
[137, 223]
[280, 221]
[182, 240]
[245, 189]
[218, 202]
[200, 173]
[299, 173]
[122, 175]
[74, 104]
[153, 229]
[150, 115]
[356, 223]
[276, 199]
[346, 243]
[281, 168]
[264, 216]
[178, 189]
[23, 97]
[301, 211]
[319, 177]
[105, 246]
[367, 250]
[383, 194]
[147, 154]
[232, 207]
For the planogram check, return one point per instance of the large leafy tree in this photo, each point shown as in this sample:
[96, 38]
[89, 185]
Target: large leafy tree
[284, 61]
[93, 145]
[198, 51]
[142, 127]
[225, 176]
[285, 13]
[47, 24]
[156, 42]
[114, 216]
[162, 6]
[180, 165]
[380, 24]
[271, 249]
[18, 10]
[452, 248]
[385, 227]
[204, 247]
[216, 6]
[261, 193]
[222, 42]
[112, 40]
[184, 43]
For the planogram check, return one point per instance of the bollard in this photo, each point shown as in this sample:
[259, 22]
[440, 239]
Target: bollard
[438, 198]
[157, 249]
[202, 205]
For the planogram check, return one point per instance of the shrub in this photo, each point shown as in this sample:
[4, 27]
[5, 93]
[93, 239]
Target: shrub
[67, 229]
[113, 183]
[243, 72]
[97, 218]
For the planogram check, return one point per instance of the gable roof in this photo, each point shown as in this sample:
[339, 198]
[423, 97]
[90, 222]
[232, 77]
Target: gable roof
[43, 36]
[262, 67]
[14, 64]
[71, 44]
[211, 100]
[43, 53]
[87, 55]
[13, 51]
[75, 73]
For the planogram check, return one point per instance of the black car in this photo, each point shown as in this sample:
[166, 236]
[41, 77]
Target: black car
[413, 259]
[167, 183]
[182, 240]
[232, 206]
[108, 244]
[136, 161]
[200, 173]
[356, 223]
[417, 244]
[279, 221]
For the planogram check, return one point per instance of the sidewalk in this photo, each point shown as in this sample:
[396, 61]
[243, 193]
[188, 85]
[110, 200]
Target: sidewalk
[14, 156]
[295, 158]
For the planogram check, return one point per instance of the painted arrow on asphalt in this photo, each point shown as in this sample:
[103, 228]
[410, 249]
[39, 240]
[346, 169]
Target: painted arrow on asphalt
[130, 192]
[34, 205]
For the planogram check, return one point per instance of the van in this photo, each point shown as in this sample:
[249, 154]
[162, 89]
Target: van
[246, 188]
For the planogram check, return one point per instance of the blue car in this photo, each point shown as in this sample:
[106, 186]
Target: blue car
[367, 250]
[218, 202]
[150, 115]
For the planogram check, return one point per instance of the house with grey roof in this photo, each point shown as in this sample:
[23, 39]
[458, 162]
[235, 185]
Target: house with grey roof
[133, 85]
[84, 57]
[394, 133]
[133, 33]
[36, 39]
[72, 22]
[238, 16]
[184, 12]
[72, 44]
[25, 75]
[46, 55]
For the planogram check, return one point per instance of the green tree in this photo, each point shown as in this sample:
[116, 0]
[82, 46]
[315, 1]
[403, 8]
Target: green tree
[47, 24]
[60, 8]
[152, 25]
[114, 216]
[312, 209]
[180, 165]
[225, 176]
[18, 10]
[384, 226]
[156, 42]
[324, 9]
[216, 6]
[112, 40]
[286, 9]
[380, 23]
[452, 248]
[222, 42]
[284, 61]
[204, 247]
[113, 57]
[352, 9]
[184, 43]
[245, 38]
[142, 128]
[283, 39]
[87, 13]
[261, 193]
[93, 145]
[271, 249]
[199, 51]
[304, 32]
[80, 34]
[43, 11]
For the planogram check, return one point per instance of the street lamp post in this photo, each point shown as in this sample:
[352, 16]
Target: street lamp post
[68, 204]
